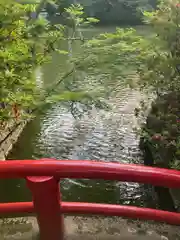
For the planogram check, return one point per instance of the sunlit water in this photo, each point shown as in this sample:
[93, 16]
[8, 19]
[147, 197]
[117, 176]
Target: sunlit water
[99, 135]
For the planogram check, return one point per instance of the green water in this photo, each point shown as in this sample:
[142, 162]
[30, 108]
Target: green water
[101, 136]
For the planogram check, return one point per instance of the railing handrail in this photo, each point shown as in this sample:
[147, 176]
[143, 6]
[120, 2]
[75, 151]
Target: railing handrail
[26, 208]
[42, 177]
[90, 170]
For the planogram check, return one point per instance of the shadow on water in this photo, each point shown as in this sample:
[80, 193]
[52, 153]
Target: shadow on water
[14, 190]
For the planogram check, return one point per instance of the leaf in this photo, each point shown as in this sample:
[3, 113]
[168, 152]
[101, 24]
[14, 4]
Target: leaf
[67, 96]
[62, 52]
[92, 20]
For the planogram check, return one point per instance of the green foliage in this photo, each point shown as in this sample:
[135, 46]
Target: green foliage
[25, 43]
[160, 73]
[75, 15]
[111, 56]
[154, 58]
[152, 62]
[161, 61]
[162, 129]
[118, 12]
[27, 40]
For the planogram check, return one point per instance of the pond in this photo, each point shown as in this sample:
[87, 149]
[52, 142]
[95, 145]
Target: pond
[99, 135]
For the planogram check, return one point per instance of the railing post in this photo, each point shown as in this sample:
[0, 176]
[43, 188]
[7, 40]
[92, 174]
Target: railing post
[46, 200]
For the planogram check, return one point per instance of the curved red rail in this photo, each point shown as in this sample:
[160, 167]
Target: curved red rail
[97, 209]
[42, 178]
[91, 170]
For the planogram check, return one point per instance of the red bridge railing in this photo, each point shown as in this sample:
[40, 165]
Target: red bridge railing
[43, 181]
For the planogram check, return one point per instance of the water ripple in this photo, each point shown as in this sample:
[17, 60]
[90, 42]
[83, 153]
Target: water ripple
[100, 136]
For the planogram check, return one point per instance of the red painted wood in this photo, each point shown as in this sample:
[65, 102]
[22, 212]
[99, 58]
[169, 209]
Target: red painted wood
[16, 208]
[121, 211]
[46, 199]
[91, 170]
[98, 209]
[46, 195]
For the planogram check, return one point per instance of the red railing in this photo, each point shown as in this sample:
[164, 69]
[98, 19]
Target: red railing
[43, 180]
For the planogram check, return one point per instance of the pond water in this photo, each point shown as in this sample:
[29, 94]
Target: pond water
[99, 135]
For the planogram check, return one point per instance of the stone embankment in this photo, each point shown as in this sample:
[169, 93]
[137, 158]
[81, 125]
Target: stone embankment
[9, 135]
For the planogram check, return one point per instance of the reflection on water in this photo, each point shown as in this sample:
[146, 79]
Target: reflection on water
[99, 135]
